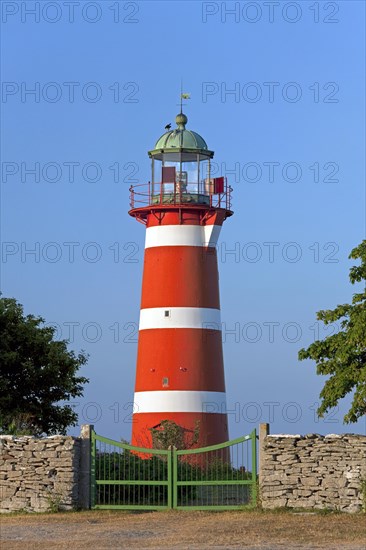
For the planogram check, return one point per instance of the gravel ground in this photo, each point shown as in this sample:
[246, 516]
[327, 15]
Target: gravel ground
[183, 530]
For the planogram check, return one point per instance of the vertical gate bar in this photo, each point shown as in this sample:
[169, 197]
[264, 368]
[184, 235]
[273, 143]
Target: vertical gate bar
[109, 474]
[247, 443]
[189, 489]
[115, 487]
[166, 478]
[243, 468]
[215, 493]
[172, 478]
[98, 458]
[207, 472]
[126, 464]
[237, 467]
[104, 472]
[154, 497]
[134, 477]
[106, 487]
[189, 468]
[102, 475]
[124, 457]
[108, 457]
[143, 487]
[118, 473]
[254, 467]
[92, 470]
[157, 476]
[111, 487]
[169, 459]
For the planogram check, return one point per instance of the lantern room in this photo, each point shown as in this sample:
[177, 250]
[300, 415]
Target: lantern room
[181, 173]
[181, 165]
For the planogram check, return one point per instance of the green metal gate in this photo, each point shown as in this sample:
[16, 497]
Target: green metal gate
[219, 477]
[129, 478]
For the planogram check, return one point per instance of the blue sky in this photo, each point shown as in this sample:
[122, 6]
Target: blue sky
[289, 137]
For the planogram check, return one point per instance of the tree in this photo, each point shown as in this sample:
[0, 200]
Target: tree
[169, 433]
[343, 355]
[36, 374]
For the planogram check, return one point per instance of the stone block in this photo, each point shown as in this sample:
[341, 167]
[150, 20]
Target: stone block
[352, 508]
[277, 476]
[276, 503]
[274, 493]
[302, 492]
[7, 492]
[8, 468]
[333, 482]
[15, 473]
[350, 492]
[311, 480]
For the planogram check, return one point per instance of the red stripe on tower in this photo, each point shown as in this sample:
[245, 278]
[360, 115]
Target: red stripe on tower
[180, 370]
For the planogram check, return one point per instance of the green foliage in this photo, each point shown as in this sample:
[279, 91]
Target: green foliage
[219, 469]
[21, 424]
[342, 356]
[126, 465]
[54, 501]
[169, 434]
[36, 373]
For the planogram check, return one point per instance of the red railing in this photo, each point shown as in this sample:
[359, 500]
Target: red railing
[154, 194]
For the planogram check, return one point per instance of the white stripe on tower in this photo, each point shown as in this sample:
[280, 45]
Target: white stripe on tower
[174, 401]
[180, 317]
[182, 235]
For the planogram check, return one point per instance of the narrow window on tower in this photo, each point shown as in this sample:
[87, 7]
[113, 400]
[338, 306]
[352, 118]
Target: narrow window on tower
[165, 382]
[167, 313]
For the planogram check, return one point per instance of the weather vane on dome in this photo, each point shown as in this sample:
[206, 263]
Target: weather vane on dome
[183, 121]
[183, 96]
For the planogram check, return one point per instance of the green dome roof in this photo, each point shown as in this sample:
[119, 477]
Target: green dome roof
[180, 137]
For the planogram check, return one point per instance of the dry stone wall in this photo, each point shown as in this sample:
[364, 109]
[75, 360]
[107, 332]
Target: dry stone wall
[38, 475]
[313, 471]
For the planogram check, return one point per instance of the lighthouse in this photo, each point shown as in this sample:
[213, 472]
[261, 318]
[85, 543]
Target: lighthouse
[180, 369]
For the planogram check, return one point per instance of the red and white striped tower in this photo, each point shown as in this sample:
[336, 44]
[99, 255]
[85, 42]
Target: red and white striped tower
[180, 370]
